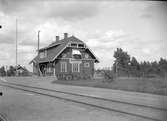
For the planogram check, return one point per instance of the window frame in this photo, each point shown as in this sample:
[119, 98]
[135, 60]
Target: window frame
[86, 55]
[74, 45]
[63, 66]
[81, 45]
[75, 67]
[42, 54]
[49, 68]
[45, 53]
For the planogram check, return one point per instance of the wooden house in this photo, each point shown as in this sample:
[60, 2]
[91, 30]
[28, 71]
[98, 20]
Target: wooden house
[68, 58]
[22, 71]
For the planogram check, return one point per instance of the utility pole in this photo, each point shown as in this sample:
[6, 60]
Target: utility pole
[38, 40]
[16, 46]
[116, 68]
[38, 51]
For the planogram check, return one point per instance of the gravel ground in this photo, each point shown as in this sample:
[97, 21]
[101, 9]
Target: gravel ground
[22, 106]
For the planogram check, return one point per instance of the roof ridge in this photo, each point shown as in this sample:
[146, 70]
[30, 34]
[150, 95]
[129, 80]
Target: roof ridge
[59, 42]
[55, 43]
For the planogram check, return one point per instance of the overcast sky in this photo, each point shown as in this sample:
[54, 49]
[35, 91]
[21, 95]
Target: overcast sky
[139, 28]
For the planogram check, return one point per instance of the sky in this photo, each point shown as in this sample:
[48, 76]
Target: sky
[138, 27]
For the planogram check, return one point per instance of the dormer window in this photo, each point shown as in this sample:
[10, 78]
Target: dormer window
[73, 45]
[76, 45]
[43, 54]
[80, 45]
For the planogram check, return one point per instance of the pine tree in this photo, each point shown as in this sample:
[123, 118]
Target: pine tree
[134, 67]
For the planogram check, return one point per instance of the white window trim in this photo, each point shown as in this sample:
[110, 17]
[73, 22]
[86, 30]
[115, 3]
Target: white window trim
[45, 53]
[76, 45]
[42, 54]
[49, 69]
[78, 66]
[63, 66]
[80, 44]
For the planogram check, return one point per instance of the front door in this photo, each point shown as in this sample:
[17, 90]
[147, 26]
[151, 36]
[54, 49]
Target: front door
[43, 70]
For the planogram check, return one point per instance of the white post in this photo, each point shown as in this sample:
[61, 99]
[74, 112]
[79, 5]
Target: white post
[54, 70]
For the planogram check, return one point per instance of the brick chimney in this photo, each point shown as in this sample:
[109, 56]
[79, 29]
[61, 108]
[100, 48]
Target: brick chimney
[57, 38]
[65, 35]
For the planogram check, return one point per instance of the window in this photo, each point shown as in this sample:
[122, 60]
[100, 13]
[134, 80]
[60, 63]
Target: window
[43, 54]
[73, 45]
[75, 67]
[49, 68]
[63, 66]
[77, 45]
[80, 45]
[86, 56]
[86, 64]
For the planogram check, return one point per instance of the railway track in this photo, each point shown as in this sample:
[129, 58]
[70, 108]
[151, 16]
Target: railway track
[140, 111]
[3, 118]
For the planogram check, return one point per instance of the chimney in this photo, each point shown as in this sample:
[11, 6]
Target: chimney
[65, 35]
[57, 38]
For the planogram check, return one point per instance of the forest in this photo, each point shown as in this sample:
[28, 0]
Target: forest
[125, 65]
[11, 71]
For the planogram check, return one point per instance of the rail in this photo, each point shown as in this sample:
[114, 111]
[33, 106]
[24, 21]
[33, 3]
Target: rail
[92, 101]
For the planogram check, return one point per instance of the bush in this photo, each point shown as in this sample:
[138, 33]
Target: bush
[108, 75]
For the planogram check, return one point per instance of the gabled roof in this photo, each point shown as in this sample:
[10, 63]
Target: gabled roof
[67, 40]
[56, 48]
[50, 56]
[19, 67]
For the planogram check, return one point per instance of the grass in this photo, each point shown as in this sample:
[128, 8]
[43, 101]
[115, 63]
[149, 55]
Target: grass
[146, 85]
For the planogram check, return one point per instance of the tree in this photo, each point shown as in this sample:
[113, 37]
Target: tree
[134, 67]
[2, 71]
[125, 65]
[163, 66]
[122, 57]
[11, 71]
[122, 60]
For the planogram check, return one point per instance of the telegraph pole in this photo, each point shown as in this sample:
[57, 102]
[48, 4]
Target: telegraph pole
[38, 40]
[116, 68]
[1, 92]
[38, 49]
[16, 46]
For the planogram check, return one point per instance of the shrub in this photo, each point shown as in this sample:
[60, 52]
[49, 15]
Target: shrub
[108, 75]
